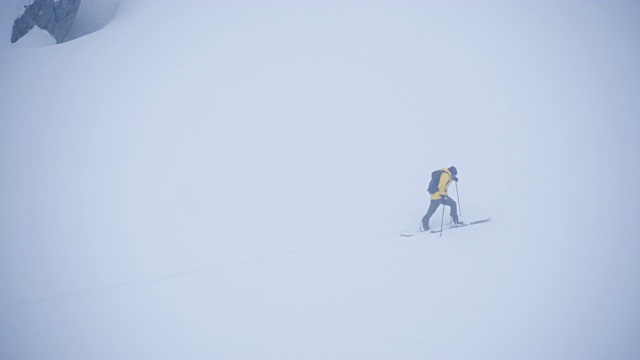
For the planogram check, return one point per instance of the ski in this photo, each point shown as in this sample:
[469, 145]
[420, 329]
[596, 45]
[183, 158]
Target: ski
[413, 231]
[463, 225]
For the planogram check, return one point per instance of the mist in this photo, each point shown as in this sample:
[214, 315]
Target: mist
[209, 179]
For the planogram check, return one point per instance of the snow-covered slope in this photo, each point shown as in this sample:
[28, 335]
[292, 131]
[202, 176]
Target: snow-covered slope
[212, 180]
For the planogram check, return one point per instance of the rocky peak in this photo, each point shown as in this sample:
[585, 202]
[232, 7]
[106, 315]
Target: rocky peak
[54, 16]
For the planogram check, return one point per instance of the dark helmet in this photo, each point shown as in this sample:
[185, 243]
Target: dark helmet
[453, 170]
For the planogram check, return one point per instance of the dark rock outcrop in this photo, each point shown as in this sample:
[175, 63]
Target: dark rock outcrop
[54, 16]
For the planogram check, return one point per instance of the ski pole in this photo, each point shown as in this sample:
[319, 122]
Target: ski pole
[458, 196]
[442, 222]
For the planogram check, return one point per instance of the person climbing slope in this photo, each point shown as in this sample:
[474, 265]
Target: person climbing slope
[439, 190]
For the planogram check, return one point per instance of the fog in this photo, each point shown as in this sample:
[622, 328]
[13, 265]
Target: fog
[209, 179]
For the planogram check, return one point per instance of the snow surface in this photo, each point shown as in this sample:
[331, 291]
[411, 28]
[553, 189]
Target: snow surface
[228, 180]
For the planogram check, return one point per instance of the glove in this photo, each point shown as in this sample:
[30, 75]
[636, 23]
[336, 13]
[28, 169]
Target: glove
[444, 198]
[455, 179]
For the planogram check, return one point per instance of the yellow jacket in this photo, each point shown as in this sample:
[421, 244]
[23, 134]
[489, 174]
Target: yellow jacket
[443, 185]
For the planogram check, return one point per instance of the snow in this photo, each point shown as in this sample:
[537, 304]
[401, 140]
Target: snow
[230, 180]
[92, 16]
[35, 38]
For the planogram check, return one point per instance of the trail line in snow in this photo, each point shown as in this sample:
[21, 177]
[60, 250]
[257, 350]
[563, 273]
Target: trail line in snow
[219, 265]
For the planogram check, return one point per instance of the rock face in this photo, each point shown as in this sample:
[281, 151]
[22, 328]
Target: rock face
[54, 16]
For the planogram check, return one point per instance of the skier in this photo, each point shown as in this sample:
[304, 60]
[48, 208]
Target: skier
[441, 197]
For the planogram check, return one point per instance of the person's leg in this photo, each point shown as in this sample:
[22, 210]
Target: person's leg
[454, 209]
[433, 206]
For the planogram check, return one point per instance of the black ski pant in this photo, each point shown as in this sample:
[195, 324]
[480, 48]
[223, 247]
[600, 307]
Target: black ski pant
[433, 206]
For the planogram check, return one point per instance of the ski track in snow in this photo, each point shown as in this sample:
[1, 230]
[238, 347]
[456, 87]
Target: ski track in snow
[216, 266]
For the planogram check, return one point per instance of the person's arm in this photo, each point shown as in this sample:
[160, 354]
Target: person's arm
[442, 185]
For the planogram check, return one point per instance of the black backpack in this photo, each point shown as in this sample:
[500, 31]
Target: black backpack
[435, 180]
